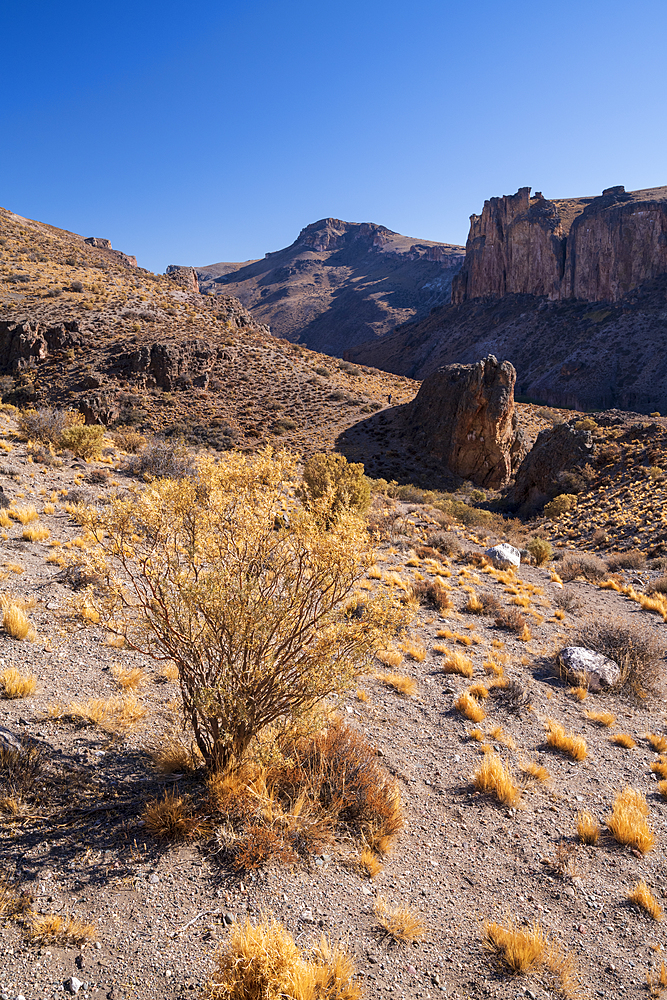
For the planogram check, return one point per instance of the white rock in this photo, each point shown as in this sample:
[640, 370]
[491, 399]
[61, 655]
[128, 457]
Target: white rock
[585, 666]
[504, 555]
[73, 985]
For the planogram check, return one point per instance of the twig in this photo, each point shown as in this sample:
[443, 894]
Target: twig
[204, 913]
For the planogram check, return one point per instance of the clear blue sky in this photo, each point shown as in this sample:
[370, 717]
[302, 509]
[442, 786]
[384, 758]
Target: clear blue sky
[197, 133]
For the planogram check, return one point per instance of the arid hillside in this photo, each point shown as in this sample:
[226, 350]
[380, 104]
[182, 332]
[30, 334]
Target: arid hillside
[84, 328]
[340, 283]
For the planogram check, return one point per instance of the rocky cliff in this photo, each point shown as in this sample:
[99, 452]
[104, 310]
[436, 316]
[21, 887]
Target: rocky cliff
[597, 249]
[340, 283]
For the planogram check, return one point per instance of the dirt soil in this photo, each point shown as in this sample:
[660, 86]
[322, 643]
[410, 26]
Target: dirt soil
[79, 847]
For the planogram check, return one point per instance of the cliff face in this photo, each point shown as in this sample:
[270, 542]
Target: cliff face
[340, 283]
[596, 249]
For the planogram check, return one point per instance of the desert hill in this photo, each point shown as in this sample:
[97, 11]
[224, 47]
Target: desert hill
[339, 283]
[572, 292]
[82, 327]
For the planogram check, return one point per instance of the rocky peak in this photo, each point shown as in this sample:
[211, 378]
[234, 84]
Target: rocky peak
[329, 234]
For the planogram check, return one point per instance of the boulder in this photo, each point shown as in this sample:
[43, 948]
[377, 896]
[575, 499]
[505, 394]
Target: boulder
[464, 417]
[8, 741]
[504, 555]
[579, 665]
[186, 277]
[557, 449]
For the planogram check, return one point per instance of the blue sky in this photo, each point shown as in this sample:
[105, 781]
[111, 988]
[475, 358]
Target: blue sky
[192, 134]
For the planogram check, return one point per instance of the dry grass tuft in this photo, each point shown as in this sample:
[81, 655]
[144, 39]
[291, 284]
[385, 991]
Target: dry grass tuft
[623, 740]
[17, 685]
[659, 743]
[642, 896]
[129, 679]
[454, 661]
[627, 821]
[400, 922]
[659, 767]
[172, 755]
[390, 657]
[113, 714]
[526, 949]
[474, 605]
[263, 962]
[477, 734]
[500, 736]
[536, 771]
[518, 949]
[169, 818]
[169, 671]
[469, 707]
[478, 691]
[47, 928]
[580, 693]
[588, 828]
[369, 863]
[25, 515]
[414, 650]
[399, 682]
[17, 624]
[657, 984]
[602, 718]
[495, 779]
[574, 746]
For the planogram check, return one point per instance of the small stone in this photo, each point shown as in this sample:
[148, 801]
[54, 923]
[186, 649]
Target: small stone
[154, 879]
[581, 929]
[73, 985]
[169, 973]
[307, 915]
[229, 919]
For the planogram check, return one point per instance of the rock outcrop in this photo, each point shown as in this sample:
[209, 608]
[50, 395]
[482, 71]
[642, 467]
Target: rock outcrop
[103, 244]
[596, 249]
[186, 277]
[339, 283]
[556, 451]
[23, 344]
[464, 416]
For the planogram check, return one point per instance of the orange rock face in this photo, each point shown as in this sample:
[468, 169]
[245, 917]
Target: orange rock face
[464, 416]
[596, 249]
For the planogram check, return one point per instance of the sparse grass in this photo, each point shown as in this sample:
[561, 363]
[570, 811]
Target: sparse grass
[362, 695]
[500, 736]
[588, 828]
[557, 738]
[169, 671]
[114, 713]
[454, 662]
[536, 771]
[432, 593]
[14, 684]
[623, 740]
[400, 922]
[128, 678]
[414, 650]
[38, 533]
[602, 718]
[659, 767]
[659, 743]
[479, 691]
[172, 755]
[369, 863]
[45, 928]
[263, 962]
[17, 624]
[519, 950]
[169, 818]
[642, 896]
[49, 508]
[399, 682]
[627, 821]
[477, 734]
[469, 707]
[474, 606]
[14, 568]
[25, 515]
[493, 778]
[390, 657]
[580, 693]
[657, 984]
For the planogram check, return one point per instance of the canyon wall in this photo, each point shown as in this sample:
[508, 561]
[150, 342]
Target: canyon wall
[596, 249]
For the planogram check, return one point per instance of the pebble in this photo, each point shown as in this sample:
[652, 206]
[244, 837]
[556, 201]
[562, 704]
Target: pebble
[72, 985]
[307, 915]
[229, 919]
[154, 879]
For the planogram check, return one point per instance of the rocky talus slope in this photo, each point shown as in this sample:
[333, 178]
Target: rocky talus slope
[340, 283]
